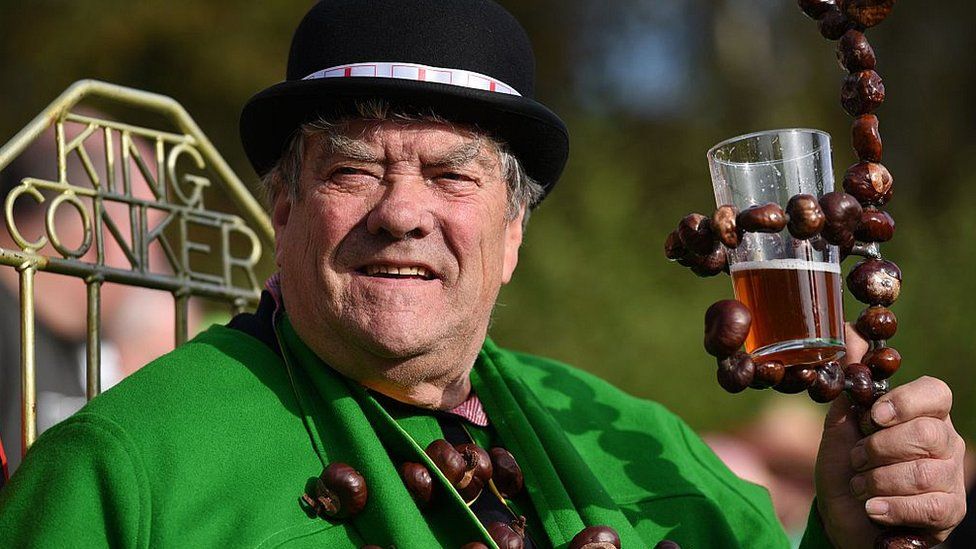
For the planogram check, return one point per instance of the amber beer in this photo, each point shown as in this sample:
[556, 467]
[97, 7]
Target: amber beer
[797, 310]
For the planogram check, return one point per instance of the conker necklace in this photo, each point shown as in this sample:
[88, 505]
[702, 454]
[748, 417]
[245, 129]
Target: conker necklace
[852, 220]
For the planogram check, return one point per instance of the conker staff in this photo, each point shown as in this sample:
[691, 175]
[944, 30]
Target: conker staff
[356, 406]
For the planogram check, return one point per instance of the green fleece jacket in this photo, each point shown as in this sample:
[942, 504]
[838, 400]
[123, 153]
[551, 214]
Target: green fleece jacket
[213, 444]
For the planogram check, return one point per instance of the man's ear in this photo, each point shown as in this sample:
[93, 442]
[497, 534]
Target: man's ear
[513, 241]
[280, 214]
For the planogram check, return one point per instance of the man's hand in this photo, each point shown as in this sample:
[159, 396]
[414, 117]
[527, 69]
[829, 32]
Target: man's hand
[909, 473]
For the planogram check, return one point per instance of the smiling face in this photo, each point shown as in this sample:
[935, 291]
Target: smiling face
[395, 248]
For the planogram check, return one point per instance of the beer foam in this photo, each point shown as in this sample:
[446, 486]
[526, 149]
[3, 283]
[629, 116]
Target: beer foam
[786, 264]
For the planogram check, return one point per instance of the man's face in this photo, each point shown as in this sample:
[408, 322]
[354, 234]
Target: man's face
[398, 242]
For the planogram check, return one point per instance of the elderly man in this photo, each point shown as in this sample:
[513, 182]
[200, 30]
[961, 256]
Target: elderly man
[402, 156]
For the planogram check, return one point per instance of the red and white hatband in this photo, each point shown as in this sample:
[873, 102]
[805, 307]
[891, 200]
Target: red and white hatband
[419, 73]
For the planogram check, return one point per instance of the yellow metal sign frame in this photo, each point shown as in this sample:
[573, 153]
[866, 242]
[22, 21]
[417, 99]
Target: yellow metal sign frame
[177, 197]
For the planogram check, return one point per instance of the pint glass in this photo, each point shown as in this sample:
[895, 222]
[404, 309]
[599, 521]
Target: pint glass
[792, 287]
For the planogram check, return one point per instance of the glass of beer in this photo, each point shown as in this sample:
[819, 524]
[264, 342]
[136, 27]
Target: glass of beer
[792, 287]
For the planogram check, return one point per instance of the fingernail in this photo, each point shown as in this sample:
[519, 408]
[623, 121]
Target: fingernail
[858, 485]
[859, 456]
[883, 413]
[876, 507]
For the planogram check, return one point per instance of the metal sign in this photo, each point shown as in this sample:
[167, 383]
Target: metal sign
[148, 193]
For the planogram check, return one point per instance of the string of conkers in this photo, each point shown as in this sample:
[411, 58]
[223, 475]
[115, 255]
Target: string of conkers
[851, 219]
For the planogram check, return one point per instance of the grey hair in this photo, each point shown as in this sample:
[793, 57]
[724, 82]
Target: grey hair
[523, 191]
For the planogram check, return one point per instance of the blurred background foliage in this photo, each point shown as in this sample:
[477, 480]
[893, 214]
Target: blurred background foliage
[646, 87]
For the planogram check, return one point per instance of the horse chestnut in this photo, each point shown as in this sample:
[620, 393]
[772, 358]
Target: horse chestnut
[340, 492]
[508, 535]
[855, 53]
[667, 544]
[708, 265]
[866, 138]
[815, 8]
[806, 217]
[477, 471]
[506, 473]
[796, 379]
[883, 362]
[862, 93]
[735, 374]
[877, 323]
[829, 383]
[768, 374]
[843, 213]
[673, 248]
[867, 13]
[876, 226]
[765, 218]
[727, 324]
[450, 462]
[833, 23]
[724, 227]
[875, 282]
[859, 385]
[596, 537]
[869, 182]
[695, 235]
[418, 481]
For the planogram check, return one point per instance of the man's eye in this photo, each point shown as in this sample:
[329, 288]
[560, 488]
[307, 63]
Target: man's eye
[347, 170]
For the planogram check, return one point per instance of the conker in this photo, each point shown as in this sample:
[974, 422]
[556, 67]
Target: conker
[876, 226]
[860, 387]
[869, 182]
[875, 282]
[843, 213]
[340, 492]
[735, 374]
[829, 383]
[833, 23]
[883, 362]
[673, 248]
[724, 227]
[508, 535]
[477, 471]
[695, 234]
[506, 473]
[727, 324]
[596, 537]
[855, 53]
[667, 544]
[796, 379]
[862, 93]
[815, 8]
[450, 462]
[806, 217]
[768, 374]
[765, 218]
[867, 13]
[708, 265]
[866, 138]
[418, 481]
[901, 538]
[877, 323]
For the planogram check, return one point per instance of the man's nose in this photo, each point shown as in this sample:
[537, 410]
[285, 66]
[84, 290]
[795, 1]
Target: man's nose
[403, 210]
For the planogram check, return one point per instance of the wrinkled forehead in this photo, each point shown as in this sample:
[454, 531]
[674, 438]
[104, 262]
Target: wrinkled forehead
[423, 141]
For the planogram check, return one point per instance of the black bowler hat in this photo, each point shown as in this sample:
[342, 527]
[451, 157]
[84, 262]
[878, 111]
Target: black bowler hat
[466, 60]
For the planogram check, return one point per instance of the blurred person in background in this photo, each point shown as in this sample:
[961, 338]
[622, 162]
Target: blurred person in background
[136, 324]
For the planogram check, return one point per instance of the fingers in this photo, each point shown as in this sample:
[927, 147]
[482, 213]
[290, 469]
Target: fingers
[935, 510]
[923, 397]
[906, 479]
[920, 438]
[856, 345]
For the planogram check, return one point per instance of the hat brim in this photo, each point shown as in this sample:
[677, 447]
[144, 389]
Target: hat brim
[535, 134]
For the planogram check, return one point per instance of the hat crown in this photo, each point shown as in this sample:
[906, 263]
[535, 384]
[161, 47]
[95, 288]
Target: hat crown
[472, 35]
